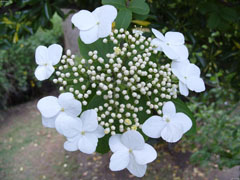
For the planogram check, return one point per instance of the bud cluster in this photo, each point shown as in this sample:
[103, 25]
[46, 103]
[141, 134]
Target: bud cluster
[130, 80]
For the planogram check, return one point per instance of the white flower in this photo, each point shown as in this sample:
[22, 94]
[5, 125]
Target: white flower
[46, 58]
[172, 44]
[131, 152]
[52, 108]
[189, 77]
[96, 24]
[170, 127]
[82, 133]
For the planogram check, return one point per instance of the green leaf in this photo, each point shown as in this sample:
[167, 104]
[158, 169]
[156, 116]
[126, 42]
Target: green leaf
[139, 7]
[102, 48]
[117, 3]
[229, 14]
[47, 10]
[124, 18]
[103, 146]
[213, 21]
[182, 107]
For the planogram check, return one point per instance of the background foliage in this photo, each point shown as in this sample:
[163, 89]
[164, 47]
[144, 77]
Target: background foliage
[212, 32]
[17, 65]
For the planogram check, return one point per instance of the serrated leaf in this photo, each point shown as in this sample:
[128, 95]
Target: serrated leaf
[124, 18]
[182, 107]
[117, 3]
[139, 7]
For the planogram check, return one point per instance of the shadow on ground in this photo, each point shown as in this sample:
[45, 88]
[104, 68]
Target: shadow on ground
[30, 151]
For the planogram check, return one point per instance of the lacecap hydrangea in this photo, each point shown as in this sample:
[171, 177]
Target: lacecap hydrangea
[123, 89]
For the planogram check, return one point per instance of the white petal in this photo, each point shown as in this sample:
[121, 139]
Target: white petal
[119, 160]
[55, 53]
[84, 20]
[195, 84]
[41, 55]
[132, 140]
[179, 69]
[156, 43]
[71, 144]
[158, 34]
[193, 70]
[106, 15]
[135, 168]
[169, 52]
[146, 155]
[99, 132]
[89, 36]
[183, 120]
[169, 109]
[88, 143]
[181, 51]
[172, 133]
[48, 106]
[174, 38]
[67, 125]
[153, 126]
[89, 119]
[70, 105]
[183, 89]
[43, 72]
[49, 122]
[115, 143]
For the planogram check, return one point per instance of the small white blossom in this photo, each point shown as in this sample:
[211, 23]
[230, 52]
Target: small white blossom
[170, 127]
[52, 108]
[172, 44]
[96, 24]
[81, 133]
[189, 77]
[131, 152]
[46, 58]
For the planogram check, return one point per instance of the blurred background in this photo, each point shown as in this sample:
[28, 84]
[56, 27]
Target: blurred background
[30, 151]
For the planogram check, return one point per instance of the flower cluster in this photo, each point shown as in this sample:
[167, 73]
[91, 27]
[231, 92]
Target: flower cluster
[124, 85]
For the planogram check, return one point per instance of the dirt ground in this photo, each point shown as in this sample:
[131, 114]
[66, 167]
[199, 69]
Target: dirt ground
[28, 151]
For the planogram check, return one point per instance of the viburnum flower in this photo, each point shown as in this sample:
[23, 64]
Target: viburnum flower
[52, 108]
[189, 77]
[131, 152]
[172, 44]
[82, 133]
[170, 127]
[96, 24]
[46, 58]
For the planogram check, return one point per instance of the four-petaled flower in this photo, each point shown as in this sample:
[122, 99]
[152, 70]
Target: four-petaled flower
[131, 152]
[52, 108]
[46, 58]
[96, 24]
[189, 77]
[170, 127]
[82, 133]
[172, 44]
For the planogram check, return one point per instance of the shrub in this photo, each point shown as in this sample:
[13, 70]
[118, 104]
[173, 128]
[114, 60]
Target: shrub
[17, 65]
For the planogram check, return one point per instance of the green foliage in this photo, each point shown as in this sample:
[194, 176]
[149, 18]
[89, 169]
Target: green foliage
[139, 7]
[218, 135]
[17, 65]
[211, 30]
[127, 10]
[124, 18]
